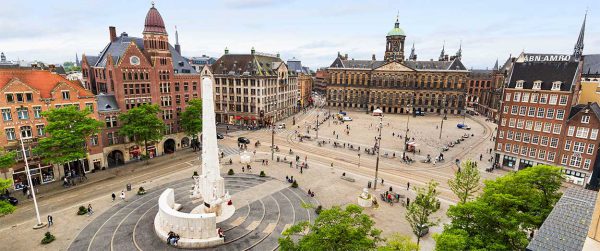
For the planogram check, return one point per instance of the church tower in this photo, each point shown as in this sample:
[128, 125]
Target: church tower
[156, 39]
[394, 46]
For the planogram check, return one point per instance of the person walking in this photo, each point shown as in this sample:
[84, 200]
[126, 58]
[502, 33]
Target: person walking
[90, 210]
[407, 202]
[50, 221]
[122, 195]
[113, 196]
[407, 186]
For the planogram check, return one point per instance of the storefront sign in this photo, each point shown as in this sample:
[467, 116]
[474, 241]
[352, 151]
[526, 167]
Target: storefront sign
[546, 57]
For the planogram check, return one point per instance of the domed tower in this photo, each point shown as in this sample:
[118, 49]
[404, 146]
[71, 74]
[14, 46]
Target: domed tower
[394, 46]
[156, 39]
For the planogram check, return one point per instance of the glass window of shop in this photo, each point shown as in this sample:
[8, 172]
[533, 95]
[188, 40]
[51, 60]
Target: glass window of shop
[39, 175]
[525, 164]
[509, 161]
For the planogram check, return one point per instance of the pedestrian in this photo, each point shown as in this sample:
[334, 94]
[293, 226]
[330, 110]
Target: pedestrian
[122, 195]
[407, 201]
[90, 210]
[243, 169]
[382, 181]
[480, 157]
[290, 164]
[113, 196]
[25, 190]
[50, 221]
[301, 169]
[407, 186]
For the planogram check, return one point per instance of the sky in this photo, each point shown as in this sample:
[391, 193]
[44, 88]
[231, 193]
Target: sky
[313, 31]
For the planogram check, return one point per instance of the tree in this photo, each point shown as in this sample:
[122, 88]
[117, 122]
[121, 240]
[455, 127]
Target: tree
[334, 229]
[466, 181]
[418, 212]
[6, 160]
[142, 125]
[502, 217]
[68, 130]
[191, 120]
[398, 242]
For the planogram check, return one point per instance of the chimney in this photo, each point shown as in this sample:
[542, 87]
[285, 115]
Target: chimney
[113, 33]
[373, 58]
[346, 56]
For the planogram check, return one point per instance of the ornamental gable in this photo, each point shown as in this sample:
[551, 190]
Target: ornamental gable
[393, 66]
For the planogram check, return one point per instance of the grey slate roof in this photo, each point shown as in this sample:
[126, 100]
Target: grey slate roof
[118, 47]
[591, 65]
[92, 60]
[547, 72]
[593, 107]
[567, 225]
[246, 64]
[107, 103]
[416, 65]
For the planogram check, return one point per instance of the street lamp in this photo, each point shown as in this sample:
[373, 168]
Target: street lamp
[406, 133]
[32, 189]
[317, 125]
[359, 160]
[444, 118]
[378, 146]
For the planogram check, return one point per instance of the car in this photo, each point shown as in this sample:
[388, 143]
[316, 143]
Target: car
[220, 136]
[12, 200]
[243, 140]
[281, 126]
[347, 119]
[420, 113]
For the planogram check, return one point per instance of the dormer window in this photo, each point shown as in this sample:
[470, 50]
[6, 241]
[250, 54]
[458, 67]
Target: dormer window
[537, 85]
[585, 119]
[66, 95]
[519, 84]
[556, 85]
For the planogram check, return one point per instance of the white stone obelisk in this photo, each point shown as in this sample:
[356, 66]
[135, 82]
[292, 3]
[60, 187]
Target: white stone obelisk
[212, 185]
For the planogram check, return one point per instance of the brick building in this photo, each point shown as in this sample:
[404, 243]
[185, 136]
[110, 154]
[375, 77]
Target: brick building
[305, 81]
[24, 94]
[321, 78]
[131, 71]
[579, 153]
[254, 89]
[479, 82]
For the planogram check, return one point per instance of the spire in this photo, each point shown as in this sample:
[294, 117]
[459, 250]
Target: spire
[177, 46]
[397, 24]
[443, 53]
[578, 51]
[496, 65]
[2, 57]
[459, 52]
[77, 60]
[412, 56]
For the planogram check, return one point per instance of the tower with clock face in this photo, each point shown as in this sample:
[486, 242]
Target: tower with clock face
[394, 47]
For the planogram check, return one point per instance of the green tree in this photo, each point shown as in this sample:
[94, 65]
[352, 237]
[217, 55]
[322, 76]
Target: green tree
[502, 217]
[7, 159]
[398, 242]
[334, 229]
[466, 182]
[68, 130]
[418, 213]
[191, 119]
[142, 125]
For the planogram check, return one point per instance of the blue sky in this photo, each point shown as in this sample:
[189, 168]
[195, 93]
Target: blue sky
[310, 30]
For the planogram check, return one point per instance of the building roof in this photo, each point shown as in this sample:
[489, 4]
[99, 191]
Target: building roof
[547, 72]
[567, 225]
[154, 21]
[92, 60]
[42, 80]
[107, 102]
[591, 65]
[592, 106]
[416, 65]
[396, 31]
[295, 65]
[257, 64]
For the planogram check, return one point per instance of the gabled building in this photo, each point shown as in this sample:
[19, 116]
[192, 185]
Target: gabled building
[305, 82]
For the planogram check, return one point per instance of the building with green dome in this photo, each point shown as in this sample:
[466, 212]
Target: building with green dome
[394, 48]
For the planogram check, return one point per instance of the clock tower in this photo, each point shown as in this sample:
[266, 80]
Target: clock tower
[394, 46]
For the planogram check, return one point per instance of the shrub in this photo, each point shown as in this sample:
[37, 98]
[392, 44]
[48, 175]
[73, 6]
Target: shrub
[262, 174]
[295, 184]
[6, 208]
[195, 173]
[141, 191]
[230, 172]
[48, 237]
[318, 209]
[82, 210]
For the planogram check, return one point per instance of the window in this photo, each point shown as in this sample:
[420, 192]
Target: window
[10, 98]
[532, 152]
[37, 112]
[590, 149]
[165, 101]
[511, 122]
[7, 115]
[94, 140]
[520, 123]
[553, 99]
[501, 134]
[517, 97]
[507, 97]
[507, 147]
[525, 97]
[547, 127]
[557, 128]
[40, 130]
[568, 145]
[499, 148]
[513, 110]
[551, 156]
[542, 154]
[185, 86]
[586, 164]
[526, 137]
[563, 100]
[571, 131]
[89, 107]
[582, 132]
[531, 112]
[556, 86]
[505, 109]
[524, 150]
[29, 97]
[543, 98]
[26, 132]
[66, 95]
[538, 126]
[528, 125]
[522, 110]
[20, 97]
[550, 113]
[544, 141]
[516, 149]
[540, 112]
[518, 136]
[554, 142]
[503, 122]
[594, 134]
[575, 161]
[537, 85]
[585, 119]
[560, 114]
[177, 86]
[579, 147]
[564, 159]
[10, 133]
[111, 121]
[534, 98]
[22, 113]
[510, 134]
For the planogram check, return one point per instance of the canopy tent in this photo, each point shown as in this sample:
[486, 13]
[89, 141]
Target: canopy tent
[377, 112]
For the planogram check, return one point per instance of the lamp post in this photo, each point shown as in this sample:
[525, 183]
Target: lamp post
[272, 141]
[378, 146]
[317, 125]
[359, 160]
[32, 189]
[406, 133]
[444, 118]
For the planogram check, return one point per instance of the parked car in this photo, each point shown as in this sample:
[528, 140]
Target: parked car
[347, 119]
[12, 200]
[281, 126]
[243, 140]
[220, 136]
[420, 113]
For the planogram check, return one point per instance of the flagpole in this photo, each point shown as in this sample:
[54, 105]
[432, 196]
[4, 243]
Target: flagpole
[32, 189]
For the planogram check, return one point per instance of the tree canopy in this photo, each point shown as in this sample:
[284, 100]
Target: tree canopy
[334, 229]
[7, 159]
[418, 213]
[502, 217]
[466, 181]
[398, 242]
[191, 119]
[142, 125]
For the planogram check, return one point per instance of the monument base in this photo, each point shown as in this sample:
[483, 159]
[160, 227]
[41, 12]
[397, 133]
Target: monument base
[226, 211]
[365, 202]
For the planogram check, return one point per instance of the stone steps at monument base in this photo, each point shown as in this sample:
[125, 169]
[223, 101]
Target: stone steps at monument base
[287, 212]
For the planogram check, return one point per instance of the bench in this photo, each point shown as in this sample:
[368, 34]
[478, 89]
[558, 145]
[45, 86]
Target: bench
[346, 178]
